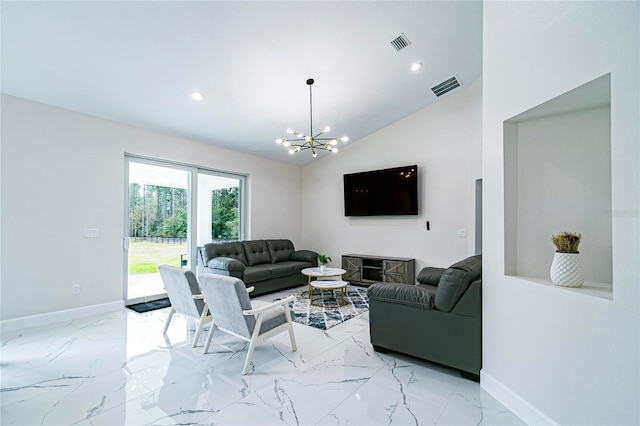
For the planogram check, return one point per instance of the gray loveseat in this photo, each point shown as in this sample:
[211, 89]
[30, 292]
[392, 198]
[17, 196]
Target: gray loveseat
[439, 319]
[267, 265]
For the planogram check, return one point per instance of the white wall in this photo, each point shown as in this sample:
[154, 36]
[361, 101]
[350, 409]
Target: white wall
[553, 355]
[445, 141]
[63, 172]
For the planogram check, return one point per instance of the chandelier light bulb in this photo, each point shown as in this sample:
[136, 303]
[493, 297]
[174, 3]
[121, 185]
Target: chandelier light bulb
[292, 151]
[333, 142]
[344, 139]
[197, 96]
[307, 138]
[326, 129]
[286, 143]
[290, 131]
[279, 140]
[334, 150]
[315, 154]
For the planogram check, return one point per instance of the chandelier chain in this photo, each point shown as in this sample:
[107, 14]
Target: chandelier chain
[310, 108]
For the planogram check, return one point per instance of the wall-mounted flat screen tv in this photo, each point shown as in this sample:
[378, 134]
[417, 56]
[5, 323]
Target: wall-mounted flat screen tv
[387, 192]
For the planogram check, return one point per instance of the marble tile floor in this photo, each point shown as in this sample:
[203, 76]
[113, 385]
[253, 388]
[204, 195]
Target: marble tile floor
[118, 369]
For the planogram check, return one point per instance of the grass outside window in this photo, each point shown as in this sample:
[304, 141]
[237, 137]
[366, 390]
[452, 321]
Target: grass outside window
[145, 256]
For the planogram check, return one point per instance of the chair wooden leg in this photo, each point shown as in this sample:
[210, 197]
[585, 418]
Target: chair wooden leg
[287, 314]
[201, 323]
[255, 336]
[293, 338]
[247, 361]
[213, 328]
[168, 321]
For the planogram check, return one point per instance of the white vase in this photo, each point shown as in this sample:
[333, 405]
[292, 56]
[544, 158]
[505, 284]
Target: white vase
[323, 269]
[566, 270]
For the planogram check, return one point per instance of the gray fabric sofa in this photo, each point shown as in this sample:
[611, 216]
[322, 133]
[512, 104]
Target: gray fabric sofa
[268, 265]
[439, 319]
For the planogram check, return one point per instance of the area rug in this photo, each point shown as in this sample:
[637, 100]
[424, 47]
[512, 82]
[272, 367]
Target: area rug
[150, 306]
[330, 314]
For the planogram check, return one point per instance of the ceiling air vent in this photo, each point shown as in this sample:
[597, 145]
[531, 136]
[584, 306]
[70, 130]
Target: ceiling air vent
[400, 42]
[445, 86]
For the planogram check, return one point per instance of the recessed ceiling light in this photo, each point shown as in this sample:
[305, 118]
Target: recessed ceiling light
[197, 96]
[416, 66]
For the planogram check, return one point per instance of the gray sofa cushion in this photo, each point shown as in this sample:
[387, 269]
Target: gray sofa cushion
[257, 252]
[455, 281]
[234, 250]
[297, 266]
[280, 250]
[282, 269]
[256, 273]
[430, 275]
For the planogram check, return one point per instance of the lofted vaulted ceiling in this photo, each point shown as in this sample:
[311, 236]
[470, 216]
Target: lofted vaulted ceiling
[138, 62]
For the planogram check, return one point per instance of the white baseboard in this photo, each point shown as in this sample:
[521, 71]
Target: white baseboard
[514, 402]
[59, 316]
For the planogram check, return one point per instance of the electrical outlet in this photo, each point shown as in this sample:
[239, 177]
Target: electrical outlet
[75, 289]
[462, 232]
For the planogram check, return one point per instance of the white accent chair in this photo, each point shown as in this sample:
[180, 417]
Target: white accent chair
[228, 299]
[185, 297]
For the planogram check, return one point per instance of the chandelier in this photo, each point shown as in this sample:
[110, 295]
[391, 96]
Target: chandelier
[314, 143]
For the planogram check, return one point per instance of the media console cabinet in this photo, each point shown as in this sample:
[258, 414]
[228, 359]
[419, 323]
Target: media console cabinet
[365, 270]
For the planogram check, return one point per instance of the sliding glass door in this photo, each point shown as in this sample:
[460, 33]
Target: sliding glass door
[161, 227]
[158, 213]
[219, 207]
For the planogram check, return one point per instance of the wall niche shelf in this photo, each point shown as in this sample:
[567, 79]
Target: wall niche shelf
[557, 177]
[601, 290]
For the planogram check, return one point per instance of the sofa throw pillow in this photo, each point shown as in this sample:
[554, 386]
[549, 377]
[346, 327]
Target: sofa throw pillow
[234, 250]
[257, 252]
[280, 250]
[456, 280]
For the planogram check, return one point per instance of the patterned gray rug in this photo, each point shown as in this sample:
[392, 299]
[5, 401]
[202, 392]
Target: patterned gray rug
[330, 313]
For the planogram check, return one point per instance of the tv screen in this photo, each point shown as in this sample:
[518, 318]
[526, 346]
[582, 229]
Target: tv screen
[386, 192]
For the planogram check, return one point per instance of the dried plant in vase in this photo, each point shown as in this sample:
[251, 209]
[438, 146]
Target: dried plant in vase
[566, 242]
[566, 268]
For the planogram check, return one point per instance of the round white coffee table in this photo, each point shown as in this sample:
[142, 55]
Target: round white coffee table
[328, 285]
[319, 284]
